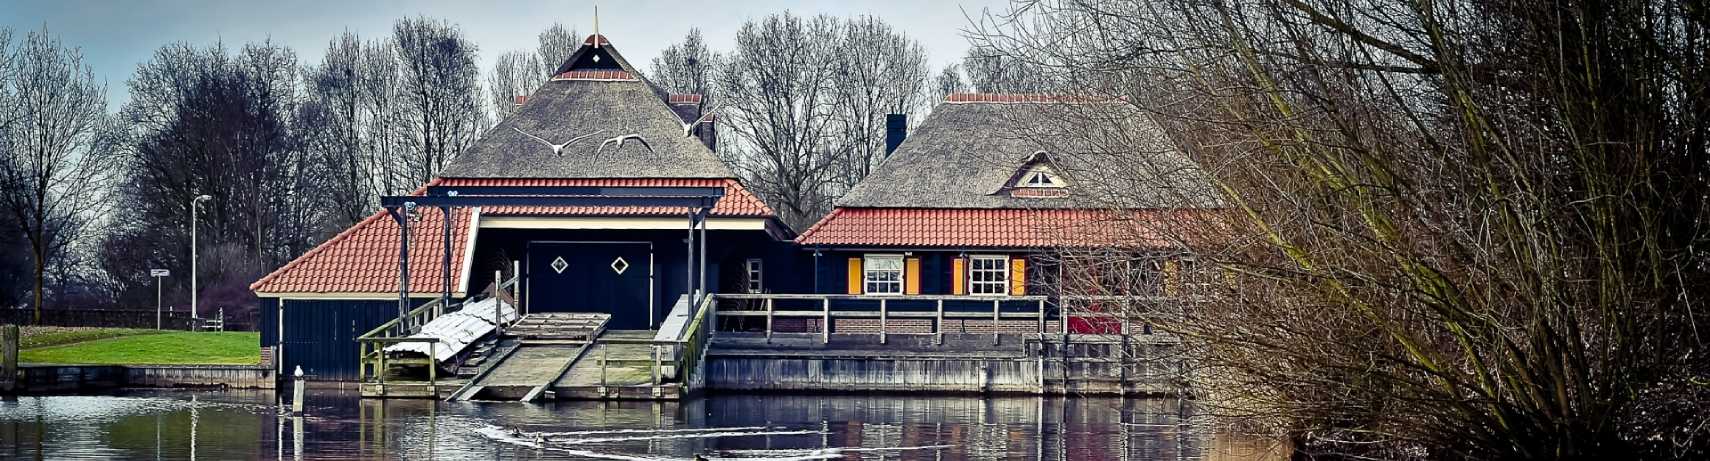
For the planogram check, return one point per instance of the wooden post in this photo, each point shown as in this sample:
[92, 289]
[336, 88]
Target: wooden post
[768, 320]
[884, 320]
[297, 394]
[361, 361]
[656, 365]
[1042, 318]
[1063, 319]
[938, 326]
[995, 321]
[516, 289]
[9, 357]
[433, 369]
[825, 325]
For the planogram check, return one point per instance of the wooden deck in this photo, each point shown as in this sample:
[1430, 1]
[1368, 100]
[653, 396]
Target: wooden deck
[622, 365]
[560, 326]
[550, 344]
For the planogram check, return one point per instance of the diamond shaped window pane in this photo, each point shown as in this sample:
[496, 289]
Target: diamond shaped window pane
[619, 265]
[558, 265]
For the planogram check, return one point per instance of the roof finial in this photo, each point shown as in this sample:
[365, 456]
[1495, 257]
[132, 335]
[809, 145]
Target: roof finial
[596, 26]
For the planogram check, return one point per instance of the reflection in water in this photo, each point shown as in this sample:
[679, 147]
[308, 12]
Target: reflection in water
[247, 425]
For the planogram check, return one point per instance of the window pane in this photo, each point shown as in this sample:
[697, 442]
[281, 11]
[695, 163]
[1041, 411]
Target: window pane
[988, 275]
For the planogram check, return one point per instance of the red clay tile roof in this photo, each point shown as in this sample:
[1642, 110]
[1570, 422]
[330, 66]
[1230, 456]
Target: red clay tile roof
[683, 99]
[364, 258]
[594, 75]
[985, 228]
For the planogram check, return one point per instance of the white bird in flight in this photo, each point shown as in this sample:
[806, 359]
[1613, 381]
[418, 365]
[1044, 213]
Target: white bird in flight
[689, 128]
[558, 149]
[619, 140]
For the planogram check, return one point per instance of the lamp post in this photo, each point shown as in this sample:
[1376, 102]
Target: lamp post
[193, 209]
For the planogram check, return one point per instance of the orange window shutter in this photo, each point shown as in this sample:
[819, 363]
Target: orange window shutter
[911, 276]
[855, 275]
[1018, 277]
[1172, 278]
[958, 274]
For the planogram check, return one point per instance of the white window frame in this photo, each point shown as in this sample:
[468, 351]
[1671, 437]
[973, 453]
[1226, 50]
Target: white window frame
[1038, 171]
[999, 281]
[756, 270]
[869, 281]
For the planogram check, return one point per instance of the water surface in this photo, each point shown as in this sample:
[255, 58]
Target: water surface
[339, 425]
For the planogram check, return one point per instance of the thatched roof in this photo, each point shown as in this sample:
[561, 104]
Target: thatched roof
[970, 149]
[605, 95]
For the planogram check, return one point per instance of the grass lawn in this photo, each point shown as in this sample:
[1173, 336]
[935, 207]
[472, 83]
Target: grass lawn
[155, 348]
[32, 337]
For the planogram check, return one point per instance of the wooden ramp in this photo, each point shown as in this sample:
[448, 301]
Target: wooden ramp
[621, 365]
[550, 344]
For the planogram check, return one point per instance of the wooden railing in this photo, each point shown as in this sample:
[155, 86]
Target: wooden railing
[371, 365]
[372, 360]
[681, 343]
[938, 308]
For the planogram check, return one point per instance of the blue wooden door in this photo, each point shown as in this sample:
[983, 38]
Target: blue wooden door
[610, 277]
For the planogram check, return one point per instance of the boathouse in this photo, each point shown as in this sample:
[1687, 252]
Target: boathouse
[993, 250]
[597, 132]
[991, 198]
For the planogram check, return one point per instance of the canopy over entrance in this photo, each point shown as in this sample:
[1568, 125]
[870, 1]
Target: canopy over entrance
[696, 202]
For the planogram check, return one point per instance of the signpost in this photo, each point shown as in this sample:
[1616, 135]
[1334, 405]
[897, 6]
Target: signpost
[158, 274]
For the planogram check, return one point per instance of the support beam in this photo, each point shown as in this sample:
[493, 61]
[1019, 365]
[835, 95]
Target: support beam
[698, 200]
[445, 263]
[553, 200]
[587, 191]
[401, 214]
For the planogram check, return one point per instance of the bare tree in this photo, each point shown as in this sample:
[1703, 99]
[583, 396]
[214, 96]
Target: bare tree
[331, 123]
[1440, 231]
[993, 71]
[382, 85]
[51, 112]
[879, 71]
[514, 74]
[947, 82]
[441, 94]
[777, 96]
[556, 45]
[236, 127]
[686, 67]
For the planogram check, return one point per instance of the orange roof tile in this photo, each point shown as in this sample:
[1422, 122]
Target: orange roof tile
[364, 258]
[595, 75]
[977, 228]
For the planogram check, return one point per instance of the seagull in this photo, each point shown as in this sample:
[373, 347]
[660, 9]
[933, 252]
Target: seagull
[689, 128]
[558, 149]
[619, 140]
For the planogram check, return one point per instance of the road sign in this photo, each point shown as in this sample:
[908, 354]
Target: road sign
[159, 273]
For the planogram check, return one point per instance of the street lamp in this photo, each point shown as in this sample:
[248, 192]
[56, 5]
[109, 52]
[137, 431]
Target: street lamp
[193, 202]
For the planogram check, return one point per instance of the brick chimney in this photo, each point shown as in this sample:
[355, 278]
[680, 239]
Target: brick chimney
[896, 128]
[688, 108]
[520, 100]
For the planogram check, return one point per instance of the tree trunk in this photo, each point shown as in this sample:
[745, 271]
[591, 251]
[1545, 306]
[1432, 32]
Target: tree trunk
[41, 277]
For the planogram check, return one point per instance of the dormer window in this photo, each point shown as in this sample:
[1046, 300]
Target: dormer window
[1040, 177]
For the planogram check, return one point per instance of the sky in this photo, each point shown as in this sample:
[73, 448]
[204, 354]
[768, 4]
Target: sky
[116, 36]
